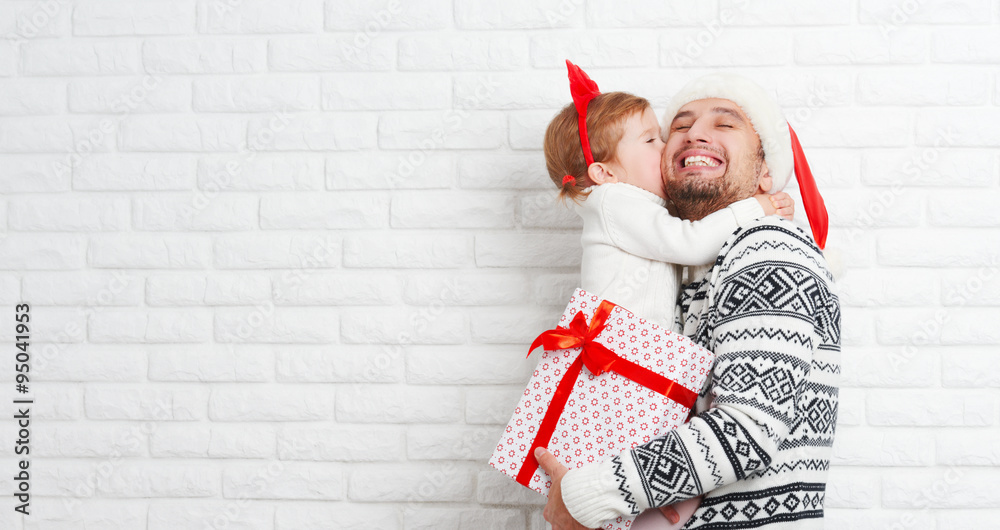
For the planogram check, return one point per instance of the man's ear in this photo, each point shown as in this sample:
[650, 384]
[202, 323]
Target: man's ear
[764, 181]
[600, 173]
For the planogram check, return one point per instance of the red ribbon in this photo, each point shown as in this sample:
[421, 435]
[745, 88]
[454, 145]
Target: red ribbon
[598, 359]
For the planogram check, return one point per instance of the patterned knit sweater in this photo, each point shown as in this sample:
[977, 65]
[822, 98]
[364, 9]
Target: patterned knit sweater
[768, 309]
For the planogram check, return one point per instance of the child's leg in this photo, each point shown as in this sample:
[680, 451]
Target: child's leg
[654, 520]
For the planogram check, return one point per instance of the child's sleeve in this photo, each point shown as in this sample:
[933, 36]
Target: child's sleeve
[646, 229]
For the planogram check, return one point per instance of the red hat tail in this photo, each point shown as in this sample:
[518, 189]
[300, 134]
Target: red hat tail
[815, 208]
[583, 89]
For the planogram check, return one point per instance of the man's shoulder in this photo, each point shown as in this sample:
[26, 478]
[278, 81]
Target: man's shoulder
[773, 264]
[775, 241]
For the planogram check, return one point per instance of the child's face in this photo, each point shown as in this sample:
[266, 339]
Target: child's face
[638, 154]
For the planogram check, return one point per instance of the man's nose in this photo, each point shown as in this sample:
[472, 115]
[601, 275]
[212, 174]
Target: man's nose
[699, 132]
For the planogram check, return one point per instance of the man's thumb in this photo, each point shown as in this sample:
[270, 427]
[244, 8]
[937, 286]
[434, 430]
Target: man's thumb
[544, 458]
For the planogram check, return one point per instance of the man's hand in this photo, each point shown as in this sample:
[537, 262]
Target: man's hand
[671, 514]
[555, 511]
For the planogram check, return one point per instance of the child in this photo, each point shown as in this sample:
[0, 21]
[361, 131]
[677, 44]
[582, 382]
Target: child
[603, 152]
[631, 243]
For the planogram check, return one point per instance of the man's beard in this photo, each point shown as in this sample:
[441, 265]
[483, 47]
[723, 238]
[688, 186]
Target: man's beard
[694, 197]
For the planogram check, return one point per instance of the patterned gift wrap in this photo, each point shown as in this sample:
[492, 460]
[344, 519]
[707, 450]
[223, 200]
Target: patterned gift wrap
[606, 382]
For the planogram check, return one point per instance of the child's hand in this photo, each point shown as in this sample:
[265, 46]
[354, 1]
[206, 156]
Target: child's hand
[765, 202]
[784, 204]
[780, 203]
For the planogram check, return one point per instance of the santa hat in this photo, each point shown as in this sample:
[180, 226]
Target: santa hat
[781, 147]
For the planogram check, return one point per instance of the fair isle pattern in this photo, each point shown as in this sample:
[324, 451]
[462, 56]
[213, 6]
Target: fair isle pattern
[807, 250]
[767, 308]
[744, 454]
[750, 334]
[819, 425]
[777, 290]
[812, 464]
[756, 509]
[706, 454]
[665, 466]
[619, 474]
[826, 367]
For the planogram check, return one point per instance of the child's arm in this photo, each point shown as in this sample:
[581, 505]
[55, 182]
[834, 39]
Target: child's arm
[647, 230]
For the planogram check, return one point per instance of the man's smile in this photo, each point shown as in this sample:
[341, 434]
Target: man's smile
[698, 160]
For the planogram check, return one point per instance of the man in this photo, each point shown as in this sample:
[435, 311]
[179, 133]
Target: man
[760, 451]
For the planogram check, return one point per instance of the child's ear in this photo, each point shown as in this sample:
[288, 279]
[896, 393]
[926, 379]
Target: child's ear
[600, 173]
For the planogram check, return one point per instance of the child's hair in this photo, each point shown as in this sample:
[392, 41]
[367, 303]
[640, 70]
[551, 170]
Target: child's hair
[606, 116]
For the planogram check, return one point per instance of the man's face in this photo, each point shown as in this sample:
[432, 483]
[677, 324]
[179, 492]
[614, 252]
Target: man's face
[713, 158]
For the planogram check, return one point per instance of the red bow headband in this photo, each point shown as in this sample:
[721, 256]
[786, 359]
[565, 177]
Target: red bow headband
[583, 89]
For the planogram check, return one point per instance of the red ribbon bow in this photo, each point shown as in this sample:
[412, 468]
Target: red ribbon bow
[598, 359]
[596, 356]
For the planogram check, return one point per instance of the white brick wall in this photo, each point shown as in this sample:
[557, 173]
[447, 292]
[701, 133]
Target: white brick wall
[285, 257]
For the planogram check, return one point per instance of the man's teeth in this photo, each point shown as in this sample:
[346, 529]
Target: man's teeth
[700, 161]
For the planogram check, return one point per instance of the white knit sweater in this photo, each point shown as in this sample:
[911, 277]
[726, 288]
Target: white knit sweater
[632, 246]
[768, 309]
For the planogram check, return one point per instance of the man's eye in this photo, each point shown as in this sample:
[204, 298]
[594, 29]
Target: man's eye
[725, 125]
[679, 127]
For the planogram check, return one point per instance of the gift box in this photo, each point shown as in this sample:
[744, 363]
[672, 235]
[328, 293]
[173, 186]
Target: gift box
[606, 382]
